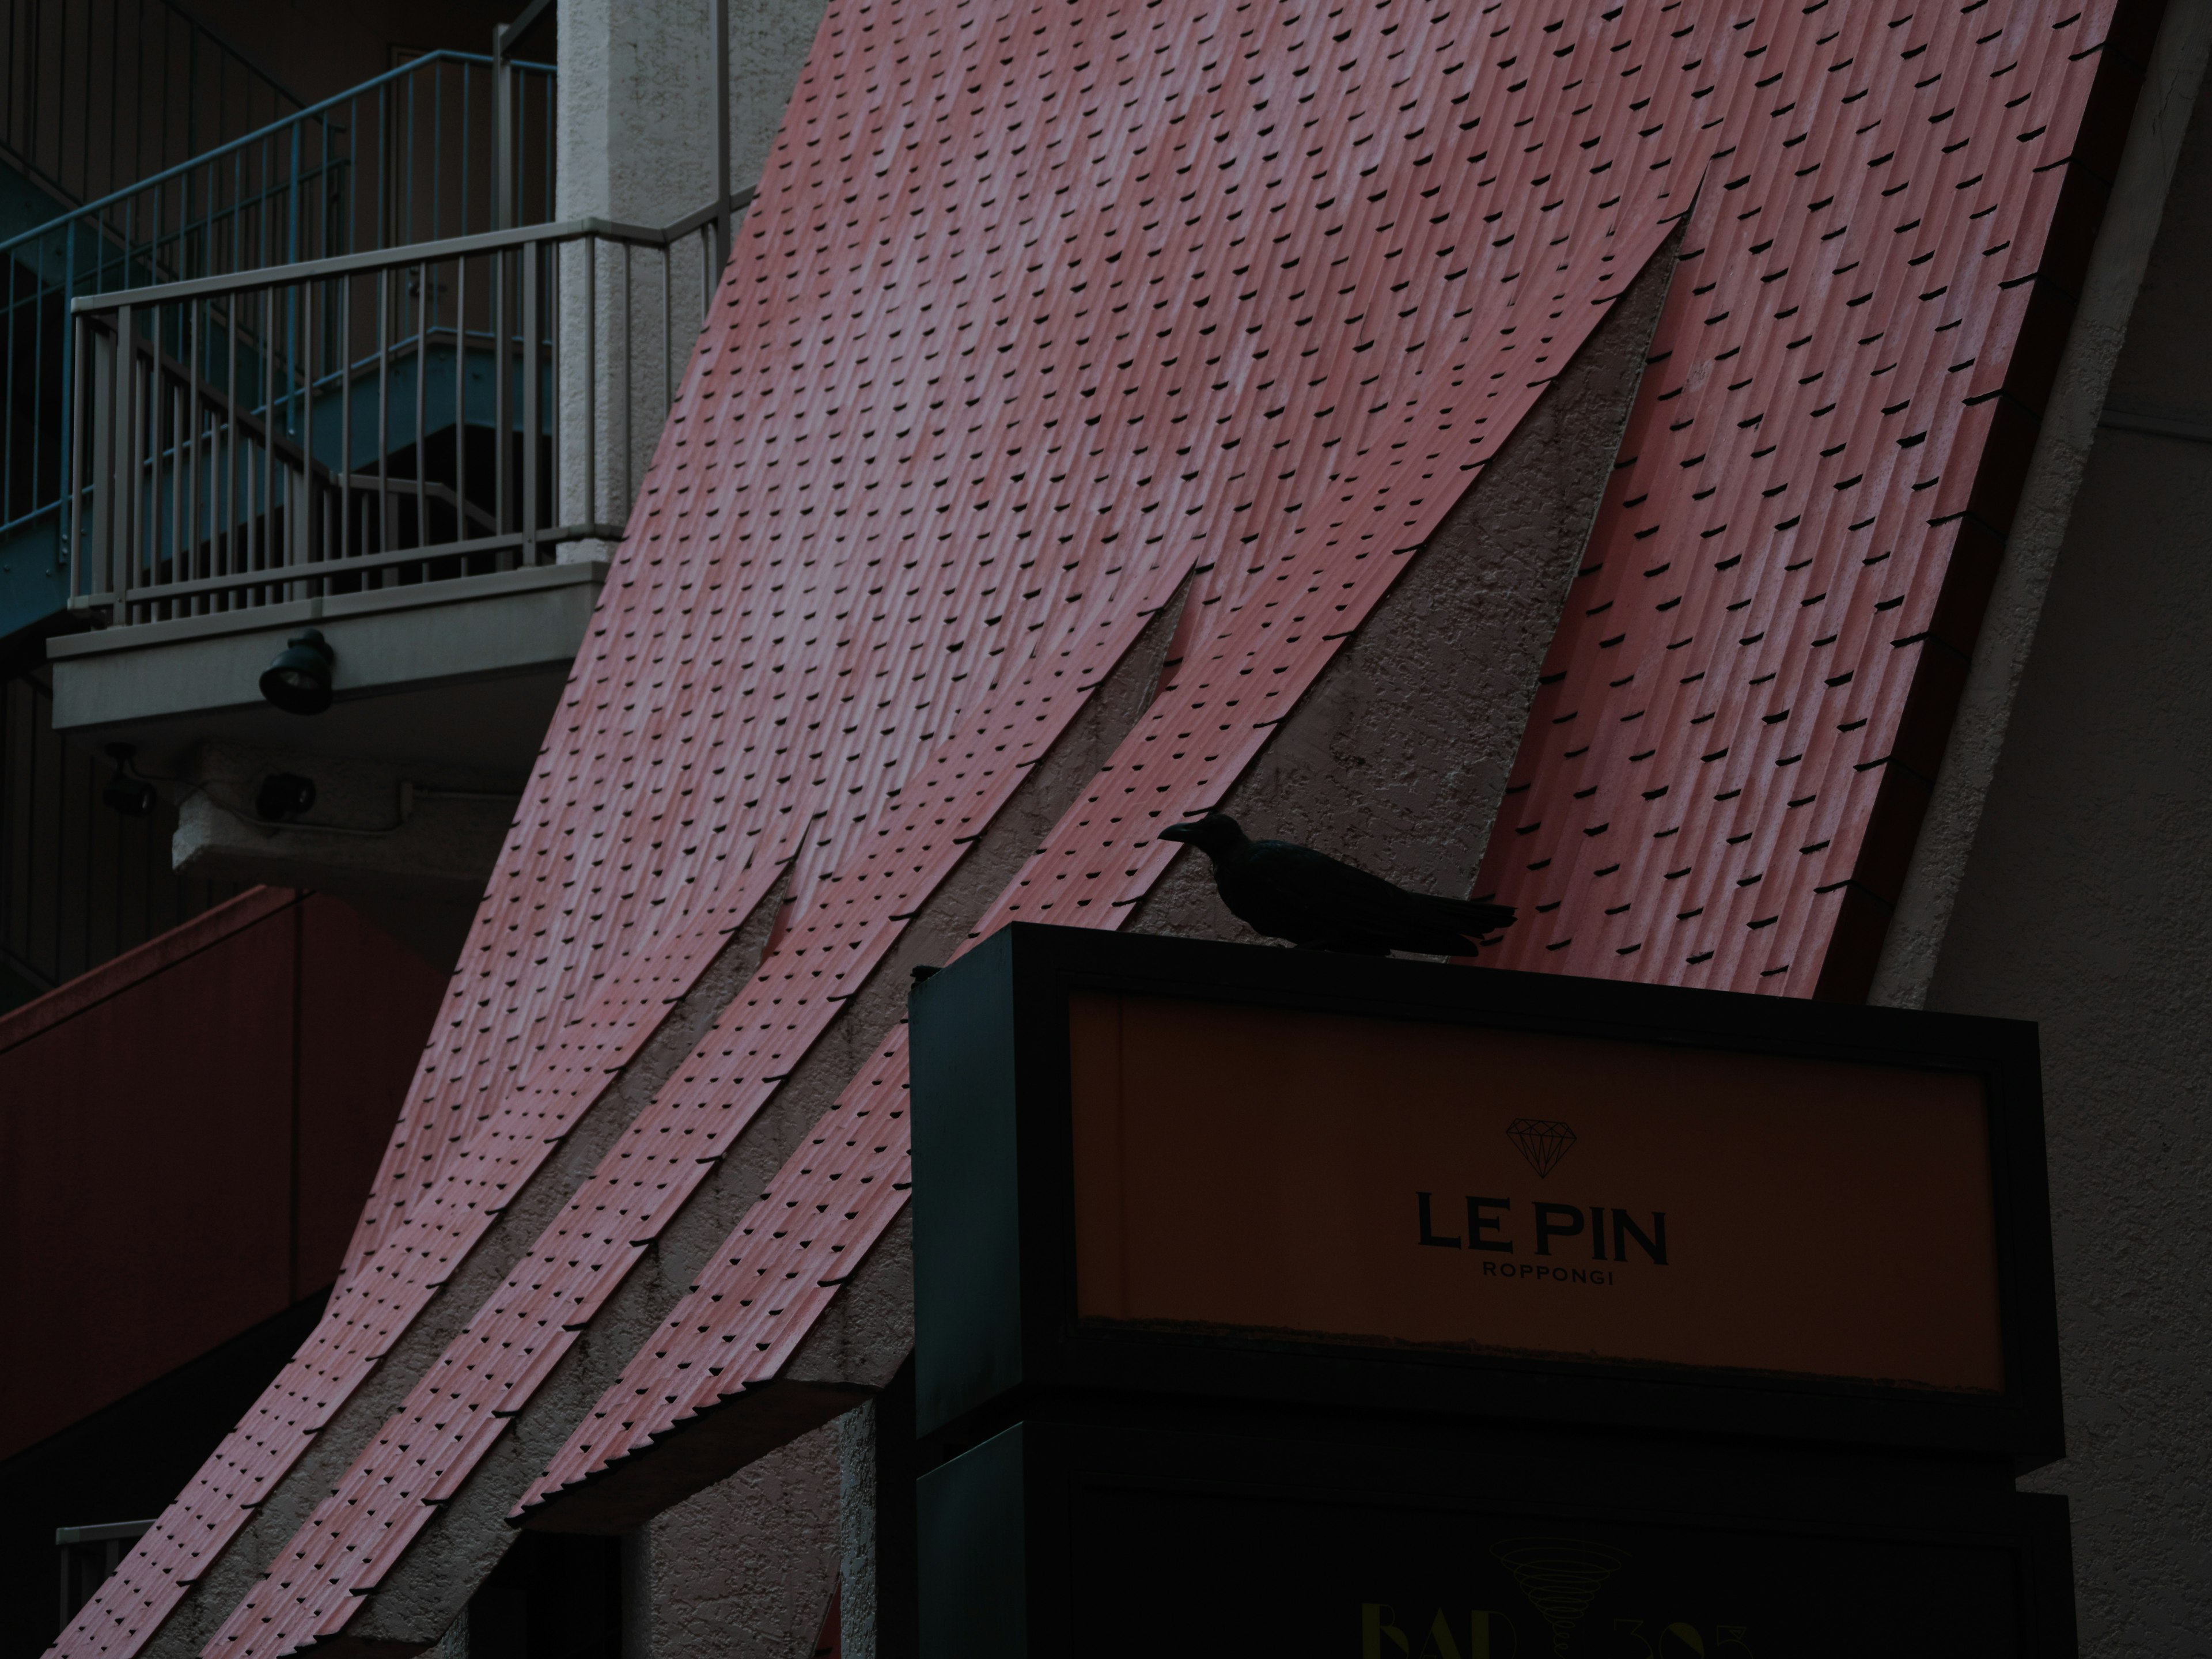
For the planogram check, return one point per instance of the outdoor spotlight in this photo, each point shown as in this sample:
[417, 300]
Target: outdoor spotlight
[283, 796]
[125, 793]
[298, 681]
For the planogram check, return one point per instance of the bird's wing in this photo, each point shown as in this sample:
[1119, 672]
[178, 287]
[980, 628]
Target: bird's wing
[1462, 915]
[1340, 896]
[1345, 898]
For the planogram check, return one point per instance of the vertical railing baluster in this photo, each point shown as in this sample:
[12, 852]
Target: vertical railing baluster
[345, 415]
[629, 360]
[232, 564]
[461, 396]
[80, 391]
[271, 550]
[126, 355]
[531, 256]
[193, 312]
[422, 403]
[550, 258]
[175, 452]
[384, 538]
[499, 425]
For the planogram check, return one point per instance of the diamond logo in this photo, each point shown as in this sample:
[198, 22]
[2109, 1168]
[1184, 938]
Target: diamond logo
[1561, 1576]
[1543, 1141]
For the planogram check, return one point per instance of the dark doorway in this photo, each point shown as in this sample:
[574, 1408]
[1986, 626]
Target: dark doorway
[555, 1596]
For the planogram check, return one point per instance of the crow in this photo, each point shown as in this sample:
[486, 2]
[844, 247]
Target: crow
[1317, 903]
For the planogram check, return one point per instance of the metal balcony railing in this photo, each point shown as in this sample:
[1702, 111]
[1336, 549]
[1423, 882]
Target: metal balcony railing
[355, 422]
[449, 145]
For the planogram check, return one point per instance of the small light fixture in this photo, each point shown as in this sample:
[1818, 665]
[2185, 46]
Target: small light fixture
[127, 793]
[283, 796]
[298, 681]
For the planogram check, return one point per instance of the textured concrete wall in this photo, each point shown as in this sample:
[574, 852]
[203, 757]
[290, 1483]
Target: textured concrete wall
[856, 1533]
[634, 127]
[2083, 906]
[745, 1569]
[1397, 757]
[636, 136]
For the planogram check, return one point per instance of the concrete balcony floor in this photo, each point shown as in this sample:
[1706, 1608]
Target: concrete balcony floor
[443, 693]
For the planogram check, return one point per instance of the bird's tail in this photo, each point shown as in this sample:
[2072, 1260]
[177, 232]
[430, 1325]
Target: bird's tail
[1466, 916]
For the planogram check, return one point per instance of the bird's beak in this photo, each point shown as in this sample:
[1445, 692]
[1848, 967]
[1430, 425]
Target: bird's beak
[1179, 831]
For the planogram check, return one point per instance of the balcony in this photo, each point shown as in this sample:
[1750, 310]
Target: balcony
[424, 454]
[342, 372]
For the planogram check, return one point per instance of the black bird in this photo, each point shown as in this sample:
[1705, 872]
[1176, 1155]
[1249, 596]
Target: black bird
[1288, 891]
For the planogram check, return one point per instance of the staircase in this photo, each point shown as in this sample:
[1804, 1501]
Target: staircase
[449, 144]
[96, 95]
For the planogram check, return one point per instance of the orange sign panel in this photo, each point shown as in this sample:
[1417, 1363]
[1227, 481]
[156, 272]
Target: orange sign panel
[1267, 1170]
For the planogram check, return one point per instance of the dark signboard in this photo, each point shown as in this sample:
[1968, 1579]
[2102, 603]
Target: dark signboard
[1188, 1168]
[1421, 1311]
[1100, 1541]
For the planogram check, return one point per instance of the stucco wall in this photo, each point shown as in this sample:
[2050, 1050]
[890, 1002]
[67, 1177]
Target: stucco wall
[636, 141]
[1396, 759]
[2083, 907]
[745, 1569]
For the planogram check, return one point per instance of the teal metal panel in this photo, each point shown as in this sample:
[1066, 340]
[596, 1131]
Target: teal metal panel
[33, 573]
[973, 1572]
[966, 1217]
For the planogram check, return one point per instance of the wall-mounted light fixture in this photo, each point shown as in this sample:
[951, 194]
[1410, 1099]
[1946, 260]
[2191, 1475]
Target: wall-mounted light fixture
[298, 681]
[283, 796]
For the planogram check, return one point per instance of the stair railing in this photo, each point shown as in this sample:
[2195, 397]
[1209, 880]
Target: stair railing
[95, 94]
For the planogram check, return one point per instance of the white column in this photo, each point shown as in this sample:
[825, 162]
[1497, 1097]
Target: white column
[635, 126]
[634, 129]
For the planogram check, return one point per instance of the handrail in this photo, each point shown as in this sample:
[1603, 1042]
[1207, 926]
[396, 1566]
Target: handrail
[260, 135]
[739, 201]
[334, 426]
[346, 265]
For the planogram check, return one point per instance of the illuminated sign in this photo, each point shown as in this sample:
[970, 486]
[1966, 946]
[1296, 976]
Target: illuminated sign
[1176, 1168]
[1384, 1181]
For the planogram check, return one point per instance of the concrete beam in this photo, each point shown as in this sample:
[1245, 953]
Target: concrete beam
[372, 829]
[455, 674]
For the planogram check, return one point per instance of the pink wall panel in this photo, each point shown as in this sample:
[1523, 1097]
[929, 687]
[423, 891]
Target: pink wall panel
[147, 1117]
[365, 1003]
[1750, 689]
[147, 1162]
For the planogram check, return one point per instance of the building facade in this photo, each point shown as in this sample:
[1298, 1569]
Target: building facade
[1716, 480]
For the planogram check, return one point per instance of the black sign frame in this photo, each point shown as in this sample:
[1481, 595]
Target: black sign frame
[995, 1247]
[1091, 1531]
